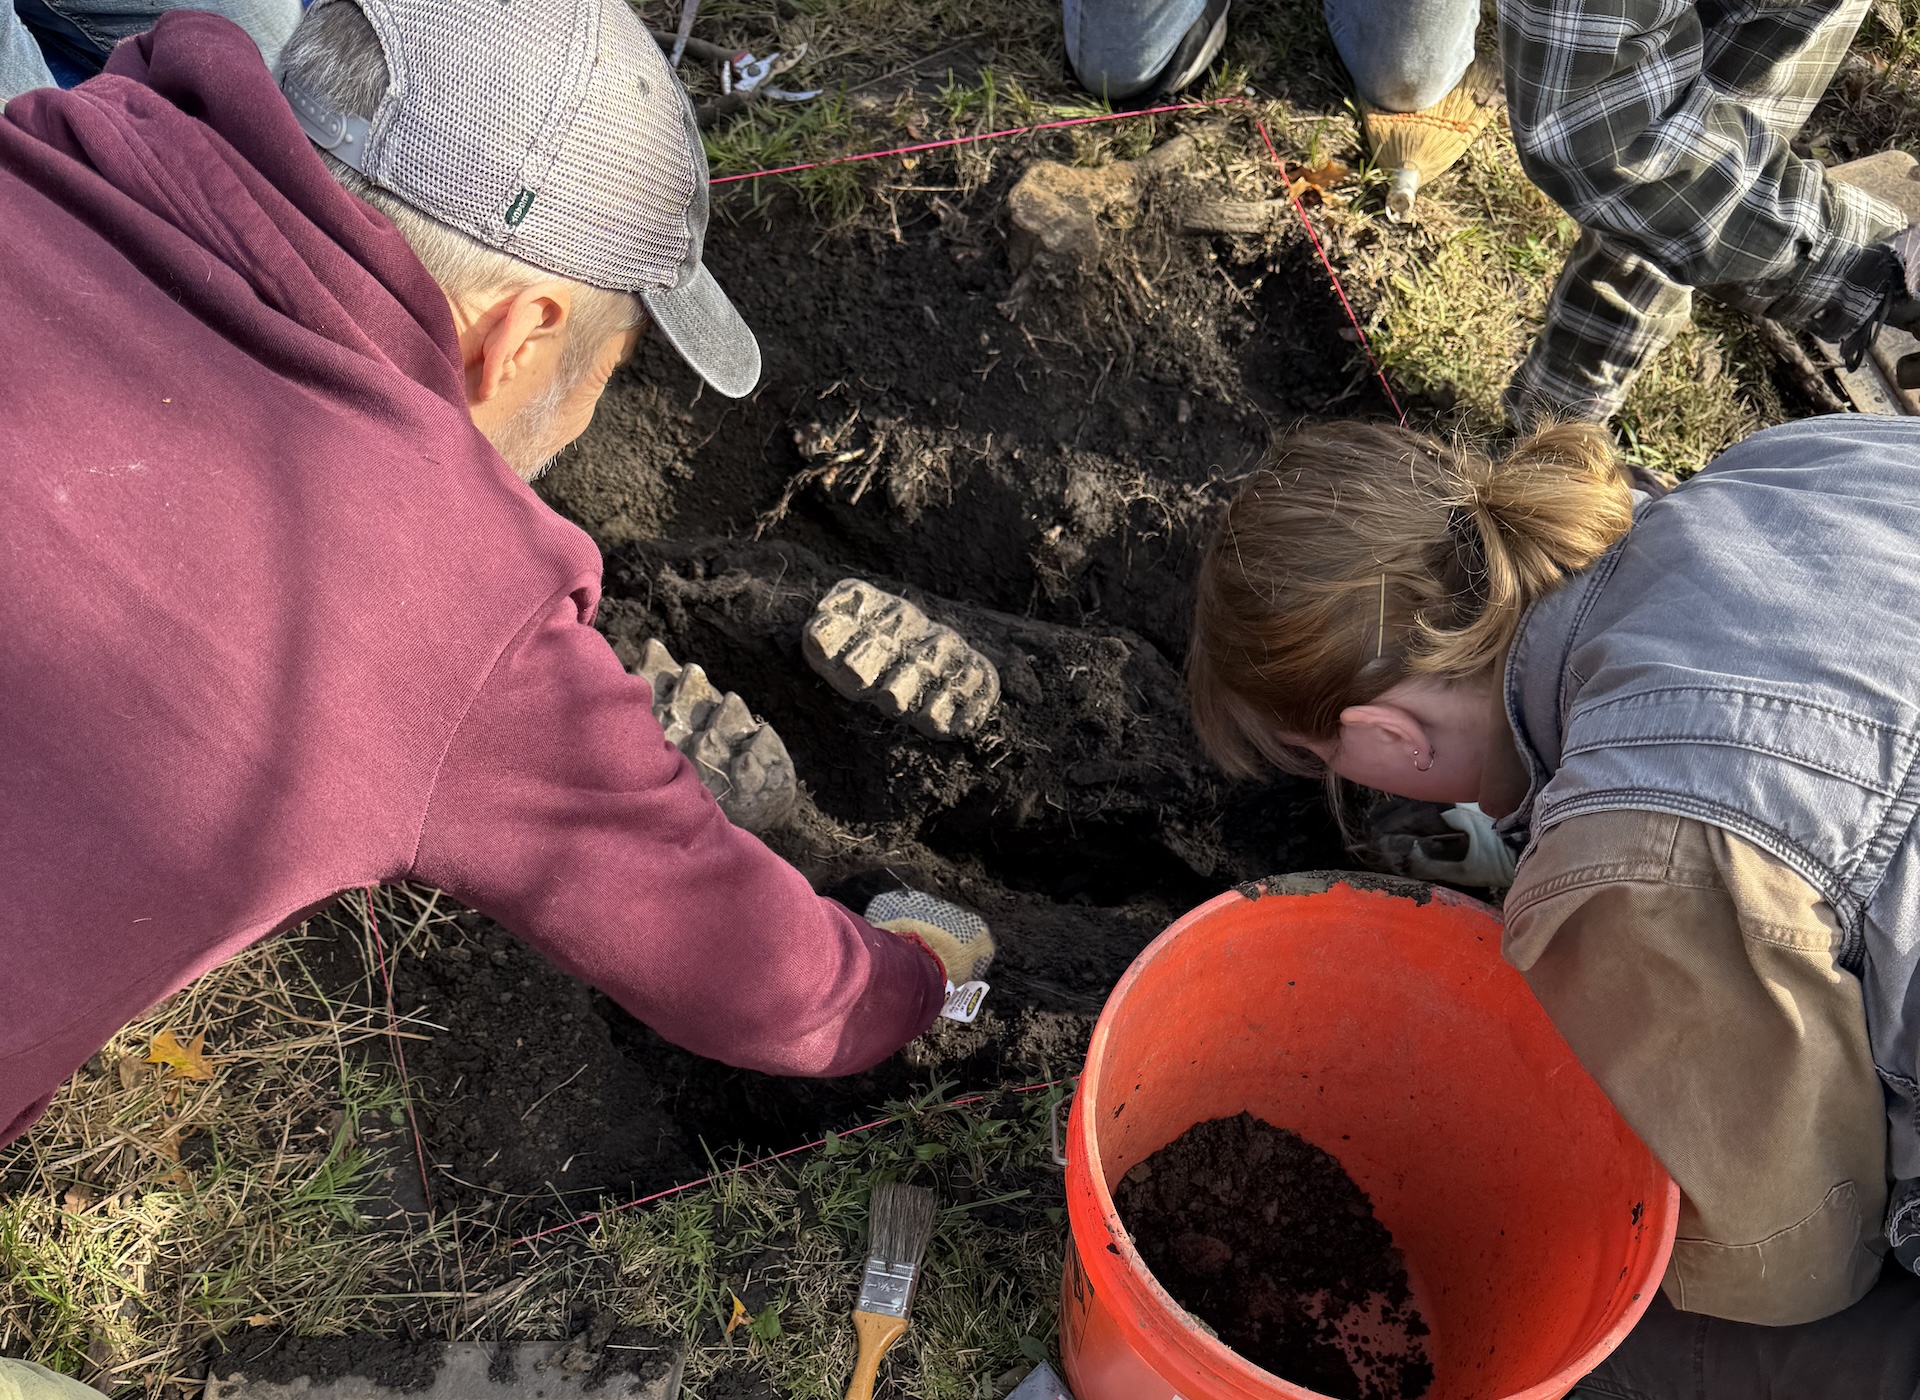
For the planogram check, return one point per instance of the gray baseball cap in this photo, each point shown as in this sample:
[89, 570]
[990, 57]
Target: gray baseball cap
[554, 131]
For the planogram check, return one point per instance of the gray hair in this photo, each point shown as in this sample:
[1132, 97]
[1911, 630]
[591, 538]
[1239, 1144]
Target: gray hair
[335, 54]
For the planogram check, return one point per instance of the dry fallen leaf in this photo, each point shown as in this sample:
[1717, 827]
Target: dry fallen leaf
[262, 1320]
[131, 1070]
[186, 1061]
[1327, 175]
[740, 1314]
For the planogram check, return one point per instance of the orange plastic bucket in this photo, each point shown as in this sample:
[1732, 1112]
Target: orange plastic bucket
[1376, 1019]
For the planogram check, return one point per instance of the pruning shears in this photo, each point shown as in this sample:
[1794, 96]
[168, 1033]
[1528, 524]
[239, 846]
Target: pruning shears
[745, 73]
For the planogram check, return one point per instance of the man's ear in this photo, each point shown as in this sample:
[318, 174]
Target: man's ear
[514, 337]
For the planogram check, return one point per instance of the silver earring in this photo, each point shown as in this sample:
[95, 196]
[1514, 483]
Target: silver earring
[1420, 767]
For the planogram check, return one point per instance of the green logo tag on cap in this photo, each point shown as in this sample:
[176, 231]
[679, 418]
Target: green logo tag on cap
[517, 210]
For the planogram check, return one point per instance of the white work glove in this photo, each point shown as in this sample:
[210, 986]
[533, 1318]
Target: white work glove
[958, 937]
[1489, 861]
[1450, 845]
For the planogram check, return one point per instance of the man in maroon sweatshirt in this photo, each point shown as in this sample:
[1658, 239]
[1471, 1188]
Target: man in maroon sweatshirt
[279, 615]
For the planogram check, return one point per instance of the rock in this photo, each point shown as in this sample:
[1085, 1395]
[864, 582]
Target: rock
[1053, 213]
[1893, 177]
[874, 647]
[740, 759]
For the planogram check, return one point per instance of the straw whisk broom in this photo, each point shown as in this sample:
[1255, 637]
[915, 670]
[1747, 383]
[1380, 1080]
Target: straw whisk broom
[1416, 146]
[899, 1223]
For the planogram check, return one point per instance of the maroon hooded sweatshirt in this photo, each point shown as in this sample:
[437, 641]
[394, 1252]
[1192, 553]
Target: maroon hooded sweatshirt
[276, 620]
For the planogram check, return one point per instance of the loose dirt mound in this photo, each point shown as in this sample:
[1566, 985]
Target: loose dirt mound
[1266, 1238]
[1033, 463]
[1053, 454]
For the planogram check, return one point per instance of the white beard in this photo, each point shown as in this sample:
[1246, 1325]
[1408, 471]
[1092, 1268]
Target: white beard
[526, 440]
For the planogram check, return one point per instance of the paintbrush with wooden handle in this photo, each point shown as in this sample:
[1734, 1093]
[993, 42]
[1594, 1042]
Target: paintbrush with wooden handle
[899, 1222]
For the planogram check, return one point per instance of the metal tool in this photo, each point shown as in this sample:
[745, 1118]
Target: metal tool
[1041, 1384]
[745, 73]
[684, 32]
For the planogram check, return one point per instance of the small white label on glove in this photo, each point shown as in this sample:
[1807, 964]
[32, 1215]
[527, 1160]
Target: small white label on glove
[963, 1001]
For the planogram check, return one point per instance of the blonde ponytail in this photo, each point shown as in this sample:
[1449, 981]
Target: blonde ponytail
[1363, 554]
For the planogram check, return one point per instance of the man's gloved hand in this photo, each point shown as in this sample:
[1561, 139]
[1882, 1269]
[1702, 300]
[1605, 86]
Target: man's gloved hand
[958, 937]
[1431, 841]
[1904, 313]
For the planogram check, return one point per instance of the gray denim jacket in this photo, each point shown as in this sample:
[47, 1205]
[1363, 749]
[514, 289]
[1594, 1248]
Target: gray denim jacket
[1749, 656]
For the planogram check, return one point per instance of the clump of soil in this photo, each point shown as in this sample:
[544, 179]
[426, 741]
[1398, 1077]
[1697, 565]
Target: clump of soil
[1267, 1240]
[394, 1363]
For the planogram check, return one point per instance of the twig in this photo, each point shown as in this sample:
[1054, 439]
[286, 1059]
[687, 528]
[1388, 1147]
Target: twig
[914, 66]
[494, 1297]
[700, 49]
[551, 1092]
[1798, 366]
[399, 1050]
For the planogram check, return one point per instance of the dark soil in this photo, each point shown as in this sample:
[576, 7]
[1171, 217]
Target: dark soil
[395, 1363]
[409, 1364]
[1036, 466]
[1264, 1237]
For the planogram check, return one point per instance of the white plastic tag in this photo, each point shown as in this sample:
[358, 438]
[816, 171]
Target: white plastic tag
[963, 1001]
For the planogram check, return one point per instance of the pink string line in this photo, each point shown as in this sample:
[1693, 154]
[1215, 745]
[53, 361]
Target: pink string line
[983, 136]
[759, 1162]
[1293, 197]
[1366, 346]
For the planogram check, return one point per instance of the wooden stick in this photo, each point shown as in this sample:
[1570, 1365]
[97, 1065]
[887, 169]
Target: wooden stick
[1799, 367]
[697, 49]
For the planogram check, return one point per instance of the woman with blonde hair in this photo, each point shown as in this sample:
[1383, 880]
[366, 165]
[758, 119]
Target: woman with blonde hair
[1702, 714]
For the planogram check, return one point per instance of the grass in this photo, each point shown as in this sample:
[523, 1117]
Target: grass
[148, 1214]
[788, 1239]
[1451, 302]
[149, 1217]
[1458, 298]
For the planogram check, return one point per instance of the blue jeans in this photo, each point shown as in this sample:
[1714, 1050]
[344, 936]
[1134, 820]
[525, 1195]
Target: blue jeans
[49, 42]
[1403, 54]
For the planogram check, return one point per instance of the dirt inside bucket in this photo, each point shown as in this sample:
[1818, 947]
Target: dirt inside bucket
[1267, 1240]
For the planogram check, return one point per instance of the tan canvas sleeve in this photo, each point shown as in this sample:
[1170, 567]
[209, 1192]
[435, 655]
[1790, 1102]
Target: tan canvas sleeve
[1695, 978]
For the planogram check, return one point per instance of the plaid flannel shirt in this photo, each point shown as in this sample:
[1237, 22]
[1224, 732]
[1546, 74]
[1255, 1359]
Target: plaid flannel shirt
[1663, 124]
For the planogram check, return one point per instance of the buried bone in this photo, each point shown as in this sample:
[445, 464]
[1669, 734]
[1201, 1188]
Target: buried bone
[874, 647]
[740, 759]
